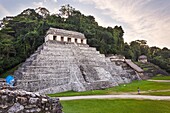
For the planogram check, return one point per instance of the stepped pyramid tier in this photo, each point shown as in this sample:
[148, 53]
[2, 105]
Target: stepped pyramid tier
[64, 65]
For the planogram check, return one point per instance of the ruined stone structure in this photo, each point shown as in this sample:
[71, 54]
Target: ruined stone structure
[142, 59]
[19, 101]
[127, 65]
[139, 71]
[62, 65]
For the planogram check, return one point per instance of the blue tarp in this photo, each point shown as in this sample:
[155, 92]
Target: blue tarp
[10, 80]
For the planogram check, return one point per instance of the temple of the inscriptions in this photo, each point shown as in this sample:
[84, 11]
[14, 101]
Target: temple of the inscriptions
[65, 62]
[65, 36]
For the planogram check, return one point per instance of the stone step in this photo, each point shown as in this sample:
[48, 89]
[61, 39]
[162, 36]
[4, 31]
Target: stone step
[26, 63]
[56, 49]
[28, 76]
[53, 63]
[56, 52]
[91, 55]
[87, 48]
[58, 45]
[61, 75]
[94, 63]
[31, 58]
[50, 66]
[56, 60]
[82, 55]
[52, 42]
[132, 72]
[90, 52]
[92, 60]
[33, 68]
[39, 84]
[41, 71]
[34, 55]
[46, 58]
[98, 85]
[51, 82]
[65, 51]
[47, 70]
[58, 89]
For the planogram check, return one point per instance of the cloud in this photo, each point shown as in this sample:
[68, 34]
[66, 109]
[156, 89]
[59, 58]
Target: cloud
[38, 4]
[55, 0]
[43, 3]
[141, 19]
[50, 0]
[4, 11]
[49, 4]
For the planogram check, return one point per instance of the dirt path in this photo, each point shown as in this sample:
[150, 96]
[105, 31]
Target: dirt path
[159, 80]
[135, 93]
[117, 97]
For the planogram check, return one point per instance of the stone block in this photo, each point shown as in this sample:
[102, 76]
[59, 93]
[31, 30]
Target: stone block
[33, 100]
[16, 108]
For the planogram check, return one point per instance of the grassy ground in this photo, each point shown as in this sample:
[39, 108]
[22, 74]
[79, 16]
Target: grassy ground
[124, 88]
[151, 68]
[167, 93]
[161, 78]
[116, 106]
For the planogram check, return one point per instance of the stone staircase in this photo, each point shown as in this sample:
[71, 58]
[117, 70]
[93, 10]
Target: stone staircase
[58, 67]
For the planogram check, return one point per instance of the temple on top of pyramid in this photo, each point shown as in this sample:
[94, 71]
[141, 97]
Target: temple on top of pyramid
[62, 35]
[70, 66]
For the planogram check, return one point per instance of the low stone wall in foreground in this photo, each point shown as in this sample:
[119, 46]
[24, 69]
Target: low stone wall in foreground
[20, 101]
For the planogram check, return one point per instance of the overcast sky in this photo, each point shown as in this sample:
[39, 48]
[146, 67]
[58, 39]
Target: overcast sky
[141, 19]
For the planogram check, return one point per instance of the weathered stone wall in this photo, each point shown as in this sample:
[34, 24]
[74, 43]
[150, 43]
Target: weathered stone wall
[2, 82]
[20, 101]
[58, 67]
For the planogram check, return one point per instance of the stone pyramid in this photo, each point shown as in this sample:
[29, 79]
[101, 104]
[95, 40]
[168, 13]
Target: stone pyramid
[59, 66]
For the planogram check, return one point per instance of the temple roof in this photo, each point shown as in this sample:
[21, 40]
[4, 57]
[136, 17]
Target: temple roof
[66, 33]
[142, 57]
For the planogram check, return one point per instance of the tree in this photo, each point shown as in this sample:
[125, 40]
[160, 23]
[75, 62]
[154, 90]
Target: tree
[7, 47]
[128, 53]
[25, 33]
[118, 36]
[66, 10]
[136, 49]
[42, 11]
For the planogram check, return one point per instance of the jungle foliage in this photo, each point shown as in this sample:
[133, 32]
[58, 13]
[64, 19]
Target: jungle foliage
[25, 32]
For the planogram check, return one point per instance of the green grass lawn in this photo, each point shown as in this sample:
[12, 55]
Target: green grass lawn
[158, 93]
[161, 78]
[115, 106]
[131, 87]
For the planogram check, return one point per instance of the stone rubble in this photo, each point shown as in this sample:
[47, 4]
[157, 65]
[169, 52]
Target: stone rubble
[20, 101]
